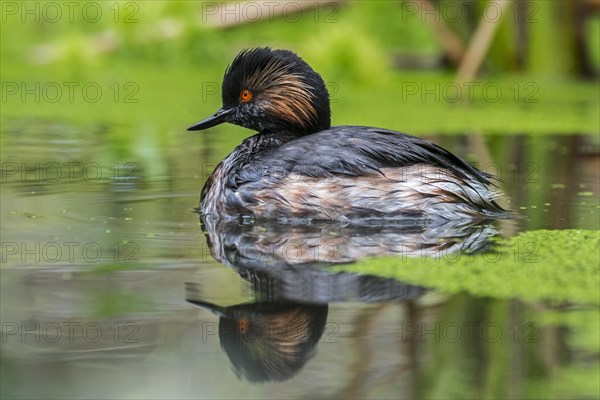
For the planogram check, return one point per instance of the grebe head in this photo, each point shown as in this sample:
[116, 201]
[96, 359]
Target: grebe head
[272, 90]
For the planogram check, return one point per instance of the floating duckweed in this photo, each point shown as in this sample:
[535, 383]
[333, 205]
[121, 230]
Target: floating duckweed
[537, 265]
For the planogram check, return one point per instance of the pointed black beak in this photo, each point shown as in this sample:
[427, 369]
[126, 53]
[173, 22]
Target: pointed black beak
[219, 117]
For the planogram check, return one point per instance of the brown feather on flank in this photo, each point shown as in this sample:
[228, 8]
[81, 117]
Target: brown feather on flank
[400, 191]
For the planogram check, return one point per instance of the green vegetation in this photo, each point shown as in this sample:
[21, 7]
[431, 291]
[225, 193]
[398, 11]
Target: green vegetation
[537, 265]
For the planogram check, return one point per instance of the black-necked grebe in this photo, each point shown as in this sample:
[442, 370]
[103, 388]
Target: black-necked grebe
[298, 166]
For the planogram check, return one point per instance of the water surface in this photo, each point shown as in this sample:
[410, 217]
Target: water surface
[113, 288]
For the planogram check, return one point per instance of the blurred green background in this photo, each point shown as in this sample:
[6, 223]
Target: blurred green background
[159, 64]
[117, 84]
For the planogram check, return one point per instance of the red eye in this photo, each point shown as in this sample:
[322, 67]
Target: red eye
[245, 95]
[244, 326]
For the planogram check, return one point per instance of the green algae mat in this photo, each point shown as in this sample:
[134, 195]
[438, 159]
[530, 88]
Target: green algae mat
[561, 265]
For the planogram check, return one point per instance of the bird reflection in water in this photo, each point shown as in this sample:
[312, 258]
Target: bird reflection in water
[287, 267]
[269, 341]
